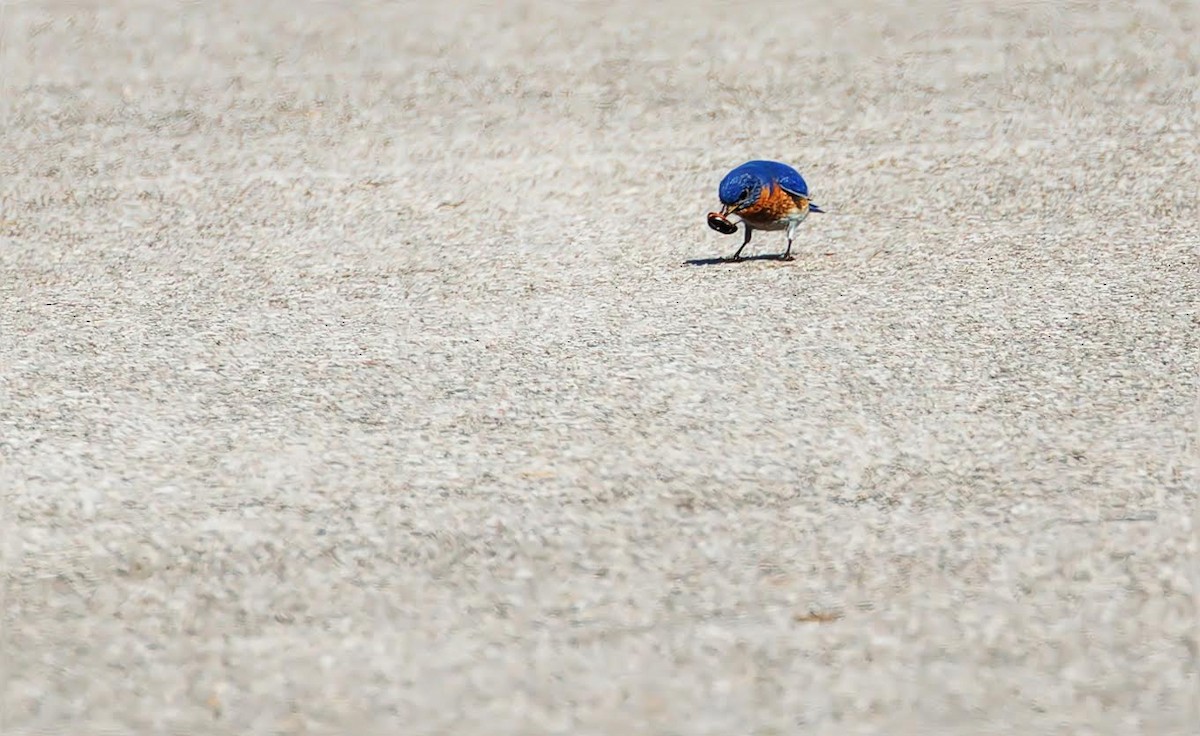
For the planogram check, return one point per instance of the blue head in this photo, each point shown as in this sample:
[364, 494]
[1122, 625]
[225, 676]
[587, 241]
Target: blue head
[742, 187]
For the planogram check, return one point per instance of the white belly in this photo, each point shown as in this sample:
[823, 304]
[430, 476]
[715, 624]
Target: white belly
[784, 224]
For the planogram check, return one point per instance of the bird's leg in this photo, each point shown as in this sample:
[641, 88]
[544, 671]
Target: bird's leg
[749, 232]
[791, 235]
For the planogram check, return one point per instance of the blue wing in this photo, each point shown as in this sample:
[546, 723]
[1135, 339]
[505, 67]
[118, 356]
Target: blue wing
[764, 171]
[789, 179]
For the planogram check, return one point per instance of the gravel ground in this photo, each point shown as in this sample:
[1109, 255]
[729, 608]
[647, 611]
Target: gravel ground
[366, 369]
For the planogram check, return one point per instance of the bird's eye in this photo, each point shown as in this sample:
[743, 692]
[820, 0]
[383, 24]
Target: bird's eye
[745, 193]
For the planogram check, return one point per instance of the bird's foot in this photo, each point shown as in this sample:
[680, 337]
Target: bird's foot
[787, 257]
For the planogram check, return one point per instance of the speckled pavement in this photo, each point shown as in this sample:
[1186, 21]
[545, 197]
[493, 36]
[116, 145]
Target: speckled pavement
[368, 368]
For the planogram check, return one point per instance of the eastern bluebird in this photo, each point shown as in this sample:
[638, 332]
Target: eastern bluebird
[766, 195]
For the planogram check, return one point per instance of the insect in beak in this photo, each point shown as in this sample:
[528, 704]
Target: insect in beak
[720, 224]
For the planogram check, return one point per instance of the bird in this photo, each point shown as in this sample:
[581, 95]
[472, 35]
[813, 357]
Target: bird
[766, 195]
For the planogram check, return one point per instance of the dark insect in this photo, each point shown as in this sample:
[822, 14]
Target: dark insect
[720, 224]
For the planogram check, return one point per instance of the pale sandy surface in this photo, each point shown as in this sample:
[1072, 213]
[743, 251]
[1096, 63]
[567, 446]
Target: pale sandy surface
[354, 381]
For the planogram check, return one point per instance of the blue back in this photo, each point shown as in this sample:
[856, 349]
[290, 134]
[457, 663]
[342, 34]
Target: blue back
[754, 175]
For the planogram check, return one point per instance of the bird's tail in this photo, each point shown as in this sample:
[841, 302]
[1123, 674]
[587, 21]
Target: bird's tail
[814, 208]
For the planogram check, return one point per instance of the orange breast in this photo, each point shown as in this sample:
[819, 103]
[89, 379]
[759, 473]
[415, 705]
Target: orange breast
[773, 205]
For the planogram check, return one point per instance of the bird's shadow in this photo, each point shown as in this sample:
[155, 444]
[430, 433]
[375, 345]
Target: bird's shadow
[726, 260]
